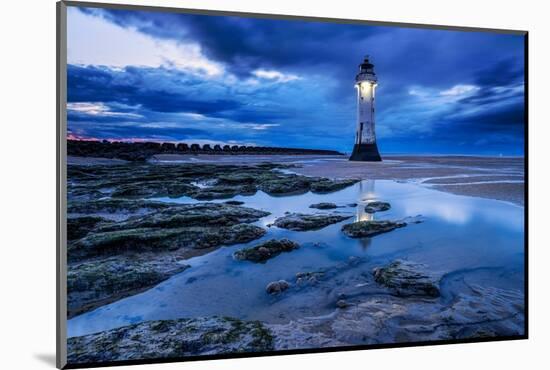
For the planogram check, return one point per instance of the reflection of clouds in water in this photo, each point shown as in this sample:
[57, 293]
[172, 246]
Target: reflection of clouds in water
[409, 199]
[450, 210]
[511, 216]
[463, 209]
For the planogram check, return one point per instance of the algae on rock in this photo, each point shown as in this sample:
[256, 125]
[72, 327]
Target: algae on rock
[267, 250]
[165, 339]
[304, 222]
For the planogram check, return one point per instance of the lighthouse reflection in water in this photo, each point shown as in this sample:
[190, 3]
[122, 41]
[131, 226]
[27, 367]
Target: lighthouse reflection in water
[366, 189]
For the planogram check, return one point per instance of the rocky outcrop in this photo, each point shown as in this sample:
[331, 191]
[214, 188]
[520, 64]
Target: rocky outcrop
[305, 222]
[341, 303]
[234, 202]
[329, 186]
[405, 279]
[167, 339]
[377, 206]
[482, 312]
[121, 208]
[191, 215]
[289, 184]
[188, 227]
[363, 229]
[323, 205]
[276, 287]
[95, 283]
[309, 277]
[266, 250]
[78, 227]
[160, 240]
[225, 181]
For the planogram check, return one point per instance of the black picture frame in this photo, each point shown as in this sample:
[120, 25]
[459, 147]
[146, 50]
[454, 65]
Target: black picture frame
[61, 176]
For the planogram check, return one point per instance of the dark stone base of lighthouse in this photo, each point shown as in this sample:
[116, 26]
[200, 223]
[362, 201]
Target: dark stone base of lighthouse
[365, 153]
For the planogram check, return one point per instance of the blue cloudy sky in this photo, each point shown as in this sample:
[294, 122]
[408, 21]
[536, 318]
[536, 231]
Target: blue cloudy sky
[136, 75]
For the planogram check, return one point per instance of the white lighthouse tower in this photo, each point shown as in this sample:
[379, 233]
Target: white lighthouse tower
[365, 148]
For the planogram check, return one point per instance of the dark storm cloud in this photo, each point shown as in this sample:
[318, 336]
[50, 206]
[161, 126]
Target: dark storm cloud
[73, 116]
[402, 55]
[506, 120]
[137, 87]
[130, 86]
[245, 44]
[113, 103]
[502, 73]
[505, 74]
[132, 130]
[498, 105]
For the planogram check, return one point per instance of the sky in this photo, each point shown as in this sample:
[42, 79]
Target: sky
[156, 76]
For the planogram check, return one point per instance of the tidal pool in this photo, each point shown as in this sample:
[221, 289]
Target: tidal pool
[462, 240]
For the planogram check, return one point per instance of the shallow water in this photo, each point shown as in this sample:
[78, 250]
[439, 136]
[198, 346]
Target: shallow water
[462, 239]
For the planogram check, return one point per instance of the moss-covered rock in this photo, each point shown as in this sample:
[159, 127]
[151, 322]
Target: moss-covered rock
[167, 339]
[265, 251]
[405, 278]
[309, 277]
[78, 227]
[304, 222]
[236, 178]
[200, 225]
[377, 206]
[161, 239]
[188, 215]
[342, 303]
[110, 205]
[290, 184]
[276, 287]
[132, 181]
[362, 229]
[323, 205]
[222, 192]
[95, 283]
[236, 234]
[234, 202]
[329, 186]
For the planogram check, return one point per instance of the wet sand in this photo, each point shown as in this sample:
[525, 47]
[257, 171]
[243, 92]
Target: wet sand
[500, 178]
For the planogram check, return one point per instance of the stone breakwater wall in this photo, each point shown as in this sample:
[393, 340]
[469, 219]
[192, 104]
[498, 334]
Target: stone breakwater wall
[141, 151]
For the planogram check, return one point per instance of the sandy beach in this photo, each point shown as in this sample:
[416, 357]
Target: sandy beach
[305, 251]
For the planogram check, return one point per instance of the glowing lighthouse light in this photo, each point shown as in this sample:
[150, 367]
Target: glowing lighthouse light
[365, 148]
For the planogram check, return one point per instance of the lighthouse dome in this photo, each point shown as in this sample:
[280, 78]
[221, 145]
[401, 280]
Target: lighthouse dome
[366, 71]
[366, 65]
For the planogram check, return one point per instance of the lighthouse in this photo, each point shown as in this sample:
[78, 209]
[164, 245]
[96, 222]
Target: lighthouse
[365, 148]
